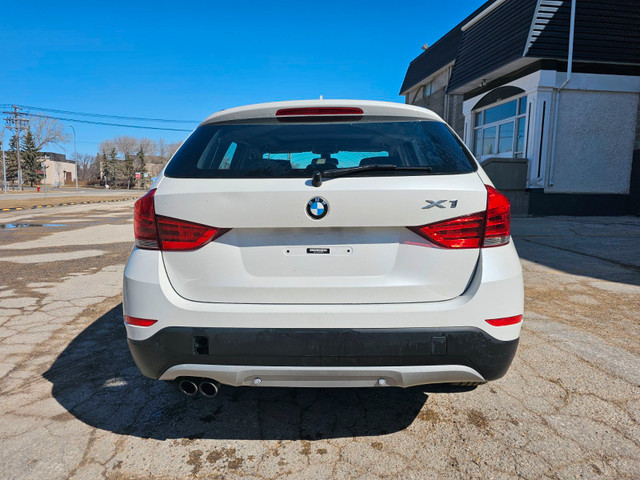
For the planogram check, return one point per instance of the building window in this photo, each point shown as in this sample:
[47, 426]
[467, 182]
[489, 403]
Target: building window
[427, 90]
[500, 129]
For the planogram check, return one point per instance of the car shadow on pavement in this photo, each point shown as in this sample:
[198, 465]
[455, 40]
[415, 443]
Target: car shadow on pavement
[588, 258]
[96, 381]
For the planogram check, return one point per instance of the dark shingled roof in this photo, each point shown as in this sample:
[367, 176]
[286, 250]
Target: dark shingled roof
[607, 31]
[494, 41]
[433, 59]
[438, 55]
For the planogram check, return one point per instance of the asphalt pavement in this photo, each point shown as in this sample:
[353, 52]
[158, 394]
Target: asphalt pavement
[74, 405]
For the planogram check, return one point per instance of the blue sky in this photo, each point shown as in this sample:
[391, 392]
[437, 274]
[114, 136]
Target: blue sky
[186, 60]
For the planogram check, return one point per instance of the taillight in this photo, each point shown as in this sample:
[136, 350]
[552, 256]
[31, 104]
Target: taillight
[490, 228]
[144, 222]
[503, 322]
[155, 232]
[139, 322]
[181, 235]
[498, 226]
[461, 232]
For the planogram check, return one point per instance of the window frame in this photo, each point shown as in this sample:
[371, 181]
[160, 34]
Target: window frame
[478, 140]
[427, 90]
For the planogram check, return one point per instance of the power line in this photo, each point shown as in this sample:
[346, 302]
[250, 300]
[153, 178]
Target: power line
[108, 124]
[101, 115]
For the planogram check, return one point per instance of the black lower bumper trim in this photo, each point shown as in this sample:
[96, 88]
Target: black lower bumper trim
[327, 347]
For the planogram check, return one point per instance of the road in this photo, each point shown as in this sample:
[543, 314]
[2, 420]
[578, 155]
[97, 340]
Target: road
[73, 404]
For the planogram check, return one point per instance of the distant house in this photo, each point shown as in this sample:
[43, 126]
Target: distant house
[561, 140]
[155, 164]
[59, 170]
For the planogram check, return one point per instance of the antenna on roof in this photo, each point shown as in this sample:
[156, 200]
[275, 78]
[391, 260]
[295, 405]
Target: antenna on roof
[321, 97]
[425, 46]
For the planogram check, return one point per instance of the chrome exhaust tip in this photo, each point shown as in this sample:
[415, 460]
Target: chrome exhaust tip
[209, 388]
[188, 387]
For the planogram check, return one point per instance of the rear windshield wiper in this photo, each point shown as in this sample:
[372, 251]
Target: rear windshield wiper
[318, 175]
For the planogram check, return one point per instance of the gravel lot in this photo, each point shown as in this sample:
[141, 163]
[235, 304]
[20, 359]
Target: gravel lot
[73, 404]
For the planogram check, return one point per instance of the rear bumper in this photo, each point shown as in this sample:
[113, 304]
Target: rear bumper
[495, 291]
[327, 377]
[295, 356]
[350, 344]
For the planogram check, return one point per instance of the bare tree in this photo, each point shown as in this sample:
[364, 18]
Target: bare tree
[88, 167]
[148, 146]
[171, 148]
[166, 150]
[162, 147]
[106, 146]
[126, 146]
[47, 131]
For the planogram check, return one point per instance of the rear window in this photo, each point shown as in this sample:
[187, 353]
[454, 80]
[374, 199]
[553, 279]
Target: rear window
[277, 150]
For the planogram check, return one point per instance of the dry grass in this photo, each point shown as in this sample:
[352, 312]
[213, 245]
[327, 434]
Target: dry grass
[27, 203]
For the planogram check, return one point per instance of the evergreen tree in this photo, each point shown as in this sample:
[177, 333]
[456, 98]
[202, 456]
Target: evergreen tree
[129, 171]
[113, 166]
[142, 166]
[105, 171]
[30, 160]
[11, 161]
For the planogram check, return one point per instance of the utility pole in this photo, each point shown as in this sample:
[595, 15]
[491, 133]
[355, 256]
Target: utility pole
[75, 153]
[4, 165]
[17, 124]
[44, 170]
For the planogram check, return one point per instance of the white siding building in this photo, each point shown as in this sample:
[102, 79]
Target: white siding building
[550, 110]
[59, 170]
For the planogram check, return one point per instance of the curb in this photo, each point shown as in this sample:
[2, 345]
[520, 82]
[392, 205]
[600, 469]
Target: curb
[48, 205]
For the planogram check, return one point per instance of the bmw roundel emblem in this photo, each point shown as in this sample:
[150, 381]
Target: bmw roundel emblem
[317, 208]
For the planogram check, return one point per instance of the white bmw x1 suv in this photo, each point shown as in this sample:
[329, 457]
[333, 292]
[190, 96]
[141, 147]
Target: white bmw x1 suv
[323, 244]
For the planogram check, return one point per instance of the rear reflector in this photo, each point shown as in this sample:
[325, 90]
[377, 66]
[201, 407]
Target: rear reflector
[314, 111]
[503, 322]
[155, 232]
[139, 322]
[489, 228]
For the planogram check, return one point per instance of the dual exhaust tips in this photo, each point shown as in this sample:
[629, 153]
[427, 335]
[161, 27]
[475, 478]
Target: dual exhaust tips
[191, 386]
